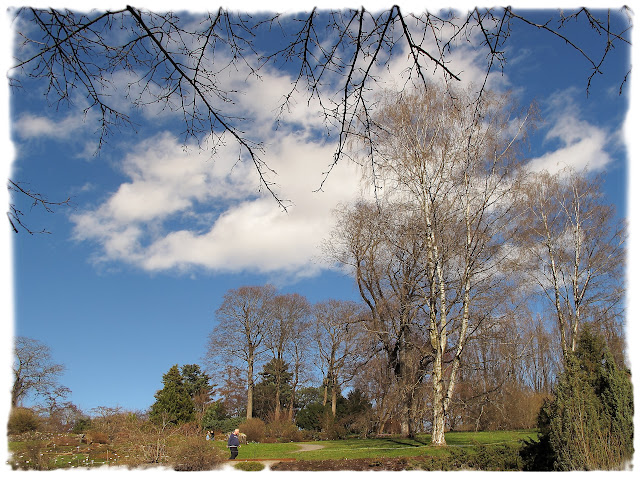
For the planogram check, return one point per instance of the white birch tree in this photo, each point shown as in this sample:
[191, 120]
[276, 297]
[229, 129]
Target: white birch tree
[573, 250]
[452, 162]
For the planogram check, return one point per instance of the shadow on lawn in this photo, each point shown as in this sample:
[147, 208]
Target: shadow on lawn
[409, 442]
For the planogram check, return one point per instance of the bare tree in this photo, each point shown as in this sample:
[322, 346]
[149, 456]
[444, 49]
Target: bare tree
[447, 160]
[337, 331]
[178, 61]
[290, 313]
[239, 337]
[382, 245]
[573, 250]
[542, 360]
[34, 371]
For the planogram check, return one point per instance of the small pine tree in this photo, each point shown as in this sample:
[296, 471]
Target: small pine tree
[589, 423]
[173, 403]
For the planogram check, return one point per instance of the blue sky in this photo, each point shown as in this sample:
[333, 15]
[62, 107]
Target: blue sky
[127, 283]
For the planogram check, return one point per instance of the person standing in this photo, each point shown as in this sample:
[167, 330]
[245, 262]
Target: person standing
[233, 444]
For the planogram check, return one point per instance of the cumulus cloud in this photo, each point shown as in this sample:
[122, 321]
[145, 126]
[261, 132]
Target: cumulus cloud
[152, 220]
[575, 143]
[181, 209]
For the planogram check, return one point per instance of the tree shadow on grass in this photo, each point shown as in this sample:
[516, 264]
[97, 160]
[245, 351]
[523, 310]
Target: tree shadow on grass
[409, 442]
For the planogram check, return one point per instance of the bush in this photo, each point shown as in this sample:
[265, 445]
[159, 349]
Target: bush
[195, 454]
[97, 437]
[224, 425]
[254, 429]
[283, 431]
[483, 458]
[22, 420]
[249, 466]
[308, 418]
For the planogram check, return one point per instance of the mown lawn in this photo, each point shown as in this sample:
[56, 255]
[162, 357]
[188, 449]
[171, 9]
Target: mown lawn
[381, 447]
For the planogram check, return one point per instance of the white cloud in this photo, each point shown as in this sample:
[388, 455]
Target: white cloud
[29, 126]
[182, 209]
[582, 145]
[136, 224]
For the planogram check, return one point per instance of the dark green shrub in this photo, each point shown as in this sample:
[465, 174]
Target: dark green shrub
[482, 458]
[216, 420]
[22, 420]
[588, 425]
[308, 418]
[81, 425]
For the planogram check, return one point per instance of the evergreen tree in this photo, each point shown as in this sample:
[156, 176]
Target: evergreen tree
[273, 389]
[589, 423]
[217, 419]
[195, 381]
[173, 403]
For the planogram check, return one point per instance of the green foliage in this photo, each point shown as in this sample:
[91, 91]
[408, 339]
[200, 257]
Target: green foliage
[81, 425]
[503, 458]
[22, 420]
[309, 417]
[195, 381]
[308, 395]
[352, 415]
[215, 418]
[264, 402]
[173, 403]
[588, 425]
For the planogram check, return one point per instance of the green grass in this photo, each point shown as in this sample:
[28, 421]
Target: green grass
[264, 450]
[382, 447]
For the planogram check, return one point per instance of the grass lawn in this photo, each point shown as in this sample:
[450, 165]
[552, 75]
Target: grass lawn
[381, 447]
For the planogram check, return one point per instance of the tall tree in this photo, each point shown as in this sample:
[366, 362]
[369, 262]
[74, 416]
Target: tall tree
[198, 386]
[290, 319]
[337, 331]
[382, 244]
[243, 322]
[573, 250]
[273, 391]
[173, 402]
[452, 163]
[34, 371]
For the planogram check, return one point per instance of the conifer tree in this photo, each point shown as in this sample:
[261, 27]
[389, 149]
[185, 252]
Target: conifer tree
[589, 423]
[173, 403]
